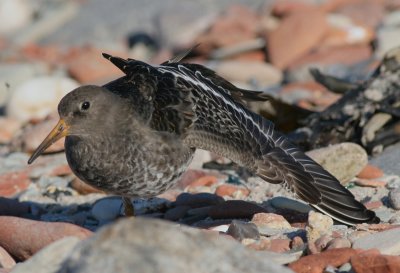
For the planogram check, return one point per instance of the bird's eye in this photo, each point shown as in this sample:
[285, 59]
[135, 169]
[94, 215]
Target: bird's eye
[85, 105]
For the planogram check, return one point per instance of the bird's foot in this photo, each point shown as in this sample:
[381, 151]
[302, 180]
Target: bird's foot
[129, 210]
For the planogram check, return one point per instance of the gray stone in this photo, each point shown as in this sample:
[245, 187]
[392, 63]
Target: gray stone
[286, 203]
[344, 160]
[149, 245]
[394, 198]
[386, 242]
[240, 230]
[49, 259]
[176, 213]
[198, 200]
[388, 38]
[107, 209]
[388, 160]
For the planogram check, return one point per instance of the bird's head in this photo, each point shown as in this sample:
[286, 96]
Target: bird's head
[85, 111]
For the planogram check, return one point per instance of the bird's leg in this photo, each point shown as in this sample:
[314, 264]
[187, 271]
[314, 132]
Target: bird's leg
[129, 210]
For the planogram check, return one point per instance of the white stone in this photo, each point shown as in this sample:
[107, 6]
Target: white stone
[38, 97]
[14, 14]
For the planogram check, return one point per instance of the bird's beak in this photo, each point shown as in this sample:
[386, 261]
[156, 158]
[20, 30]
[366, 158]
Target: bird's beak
[61, 130]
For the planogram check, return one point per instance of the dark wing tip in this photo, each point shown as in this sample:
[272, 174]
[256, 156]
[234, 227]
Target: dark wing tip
[107, 56]
[117, 61]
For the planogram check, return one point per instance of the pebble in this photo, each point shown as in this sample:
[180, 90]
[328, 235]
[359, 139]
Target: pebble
[107, 209]
[114, 249]
[369, 183]
[8, 129]
[235, 209]
[12, 207]
[297, 243]
[6, 261]
[317, 225]
[286, 203]
[262, 73]
[241, 230]
[383, 241]
[370, 172]
[270, 220]
[31, 137]
[38, 97]
[295, 36]
[207, 180]
[371, 261]
[198, 200]
[319, 245]
[88, 67]
[344, 160]
[338, 243]
[279, 245]
[394, 198]
[230, 190]
[50, 258]
[174, 214]
[15, 15]
[22, 237]
[12, 183]
[318, 262]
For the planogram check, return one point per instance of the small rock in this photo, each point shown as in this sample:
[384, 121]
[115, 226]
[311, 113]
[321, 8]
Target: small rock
[394, 198]
[344, 160]
[270, 220]
[230, 190]
[88, 66]
[372, 262]
[262, 73]
[296, 35]
[22, 237]
[174, 214]
[262, 244]
[286, 203]
[235, 209]
[373, 204]
[318, 262]
[357, 234]
[207, 180]
[38, 97]
[279, 245]
[339, 243]
[14, 15]
[8, 128]
[395, 219]
[198, 200]
[369, 183]
[31, 137]
[345, 55]
[240, 230]
[114, 249]
[12, 207]
[50, 258]
[383, 241]
[107, 209]
[370, 172]
[297, 243]
[12, 183]
[6, 261]
[319, 245]
[188, 177]
[237, 24]
[318, 224]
